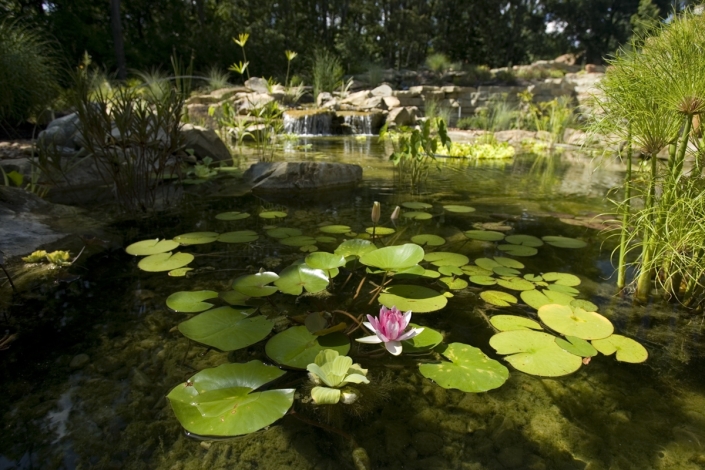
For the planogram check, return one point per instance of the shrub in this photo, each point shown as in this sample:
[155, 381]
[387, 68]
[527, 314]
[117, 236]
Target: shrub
[29, 69]
[438, 62]
[216, 79]
[326, 73]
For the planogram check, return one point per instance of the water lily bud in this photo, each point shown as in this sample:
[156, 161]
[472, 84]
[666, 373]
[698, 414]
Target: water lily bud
[376, 212]
[395, 214]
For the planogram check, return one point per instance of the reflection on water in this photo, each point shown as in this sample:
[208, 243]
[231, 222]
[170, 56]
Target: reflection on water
[85, 385]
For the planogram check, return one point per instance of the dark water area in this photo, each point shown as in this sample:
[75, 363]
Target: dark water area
[85, 384]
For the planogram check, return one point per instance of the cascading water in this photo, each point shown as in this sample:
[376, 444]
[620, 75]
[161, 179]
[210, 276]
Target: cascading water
[358, 123]
[307, 123]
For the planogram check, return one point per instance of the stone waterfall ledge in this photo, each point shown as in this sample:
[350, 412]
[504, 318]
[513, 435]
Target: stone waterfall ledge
[301, 177]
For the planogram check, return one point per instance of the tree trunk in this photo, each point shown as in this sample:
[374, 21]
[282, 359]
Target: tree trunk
[116, 26]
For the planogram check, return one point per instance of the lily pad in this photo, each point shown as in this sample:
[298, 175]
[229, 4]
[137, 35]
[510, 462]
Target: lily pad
[416, 205]
[197, 238]
[222, 401]
[272, 214]
[355, 247]
[471, 270]
[328, 262]
[535, 353]
[418, 299]
[297, 347]
[564, 242]
[256, 285]
[164, 262]
[325, 239]
[179, 272]
[450, 271]
[537, 299]
[335, 229]
[584, 304]
[533, 278]
[454, 283]
[563, 289]
[445, 258]
[627, 349]
[226, 328]
[518, 250]
[232, 215]
[577, 346]
[284, 232]
[294, 279]
[380, 231]
[424, 341]
[498, 298]
[487, 263]
[308, 248]
[514, 322]
[459, 209]
[234, 297]
[428, 239]
[525, 240]
[190, 301]
[505, 271]
[300, 240]
[563, 279]
[470, 370]
[151, 247]
[417, 215]
[394, 257]
[241, 236]
[574, 321]
[482, 280]
[516, 283]
[484, 235]
[509, 262]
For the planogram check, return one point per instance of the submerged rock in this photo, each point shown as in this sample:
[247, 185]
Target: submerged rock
[274, 177]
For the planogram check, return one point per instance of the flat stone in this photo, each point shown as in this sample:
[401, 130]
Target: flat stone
[382, 90]
[257, 84]
[301, 177]
[204, 142]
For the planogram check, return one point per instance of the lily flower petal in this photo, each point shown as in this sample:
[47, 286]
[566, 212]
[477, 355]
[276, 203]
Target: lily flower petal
[410, 334]
[370, 339]
[393, 347]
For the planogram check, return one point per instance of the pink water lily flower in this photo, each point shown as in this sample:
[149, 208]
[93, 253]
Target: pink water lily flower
[390, 328]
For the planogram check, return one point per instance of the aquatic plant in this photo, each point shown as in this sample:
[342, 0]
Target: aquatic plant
[241, 68]
[391, 327]
[326, 72]
[336, 372]
[481, 150]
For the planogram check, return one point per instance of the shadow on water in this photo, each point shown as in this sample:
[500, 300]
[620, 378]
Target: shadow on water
[84, 385]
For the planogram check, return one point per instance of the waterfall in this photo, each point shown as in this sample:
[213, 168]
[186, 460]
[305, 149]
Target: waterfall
[358, 123]
[314, 123]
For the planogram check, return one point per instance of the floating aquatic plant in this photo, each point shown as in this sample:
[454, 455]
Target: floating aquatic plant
[390, 328]
[334, 371]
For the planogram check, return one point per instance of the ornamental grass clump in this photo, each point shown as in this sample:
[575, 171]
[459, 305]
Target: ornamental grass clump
[651, 99]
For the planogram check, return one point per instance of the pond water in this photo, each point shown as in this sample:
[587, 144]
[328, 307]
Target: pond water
[85, 383]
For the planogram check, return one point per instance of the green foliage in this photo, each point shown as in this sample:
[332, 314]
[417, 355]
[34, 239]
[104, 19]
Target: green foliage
[438, 63]
[553, 116]
[29, 71]
[216, 79]
[480, 150]
[499, 115]
[326, 72]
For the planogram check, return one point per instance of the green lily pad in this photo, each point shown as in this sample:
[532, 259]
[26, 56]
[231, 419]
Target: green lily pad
[584, 304]
[380, 231]
[164, 262]
[424, 341]
[428, 239]
[355, 247]
[537, 299]
[272, 214]
[563, 289]
[484, 235]
[574, 321]
[300, 240]
[450, 271]
[471, 270]
[151, 247]
[226, 328]
[516, 283]
[418, 299]
[234, 297]
[417, 215]
[535, 353]
[564, 242]
[197, 238]
[498, 298]
[514, 322]
[454, 283]
[179, 272]
[487, 263]
[431, 274]
[324, 239]
[294, 279]
[241, 236]
[328, 262]
[525, 240]
[533, 278]
[256, 285]
[297, 347]
[413, 271]
[445, 258]
[416, 205]
[470, 370]
[518, 250]
[563, 279]
[335, 229]
[222, 402]
[577, 346]
[459, 209]
[308, 248]
[392, 258]
[505, 271]
[627, 349]
[232, 215]
[284, 232]
[190, 301]
[482, 280]
[509, 262]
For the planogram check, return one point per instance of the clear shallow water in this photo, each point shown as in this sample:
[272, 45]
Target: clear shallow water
[111, 411]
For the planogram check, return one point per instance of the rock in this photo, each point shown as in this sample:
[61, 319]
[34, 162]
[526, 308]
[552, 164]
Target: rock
[391, 102]
[405, 116]
[374, 102]
[382, 90]
[297, 177]
[322, 98]
[257, 84]
[60, 132]
[514, 136]
[204, 143]
[568, 59]
[427, 443]
[80, 361]
[357, 99]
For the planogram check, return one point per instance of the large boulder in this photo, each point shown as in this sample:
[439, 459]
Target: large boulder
[257, 84]
[204, 142]
[301, 177]
[61, 132]
[405, 116]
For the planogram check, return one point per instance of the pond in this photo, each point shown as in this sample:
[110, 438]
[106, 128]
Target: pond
[85, 384]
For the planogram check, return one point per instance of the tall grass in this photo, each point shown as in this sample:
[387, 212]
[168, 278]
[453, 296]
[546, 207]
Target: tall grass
[29, 69]
[326, 72]
[438, 63]
[499, 115]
